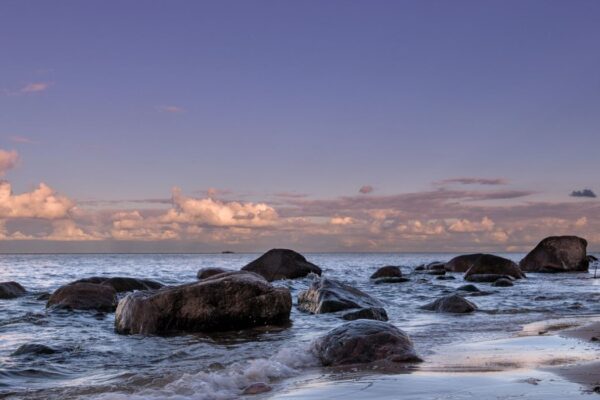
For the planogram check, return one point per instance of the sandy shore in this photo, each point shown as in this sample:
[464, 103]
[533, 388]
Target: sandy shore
[549, 360]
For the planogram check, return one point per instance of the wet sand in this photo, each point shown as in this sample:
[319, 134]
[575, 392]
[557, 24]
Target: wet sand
[550, 360]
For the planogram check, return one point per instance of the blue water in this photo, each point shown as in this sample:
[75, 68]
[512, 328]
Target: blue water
[95, 362]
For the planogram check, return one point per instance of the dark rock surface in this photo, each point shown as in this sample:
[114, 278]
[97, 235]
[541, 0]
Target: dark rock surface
[33, 348]
[377, 314]
[462, 263]
[557, 254]
[256, 388]
[122, 284]
[84, 296]
[451, 304]
[389, 271]
[224, 302]
[398, 279]
[11, 290]
[208, 272]
[282, 264]
[489, 264]
[503, 282]
[364, 341]
[486, 277]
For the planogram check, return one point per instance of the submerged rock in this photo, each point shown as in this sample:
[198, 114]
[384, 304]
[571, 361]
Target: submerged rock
[469, 288]
[33, 348]
[122, 284]
[282, 264]
[445, 278]
[224, 302]
[389, 271]
[377, 314]
[44, 296]
[453, 303]
[503, 282]
[208, 272]
[327, 295]
[257, 388]
[557, 254]
[486, 277]
[397, 279]
[364, 341]
[11, 290]
[489, 264]
[84, 296]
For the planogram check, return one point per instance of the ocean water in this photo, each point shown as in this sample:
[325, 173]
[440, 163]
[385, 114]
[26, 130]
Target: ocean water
[95, 362]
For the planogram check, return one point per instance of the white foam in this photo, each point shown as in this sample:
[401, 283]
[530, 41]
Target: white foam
[229, 383]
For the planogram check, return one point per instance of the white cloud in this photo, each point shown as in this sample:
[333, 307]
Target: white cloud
[42, 202]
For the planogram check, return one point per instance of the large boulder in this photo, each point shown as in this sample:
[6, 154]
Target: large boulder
[557, 254]
[489, 264]
[122, 284]
[211, 271]
[364, 341]
[389, 271]
[282, 264]
[462, 263]
[328, 295]
[84, 296]
[10, 290]
[453, 303]
[224, 302]
[33, 348]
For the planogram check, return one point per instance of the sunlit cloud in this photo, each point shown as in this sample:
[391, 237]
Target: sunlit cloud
[36, 87]
[8, 160]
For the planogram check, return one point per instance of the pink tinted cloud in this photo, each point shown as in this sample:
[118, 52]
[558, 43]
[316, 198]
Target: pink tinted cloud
[22, 139]
[366, 189]
[473, 181]
[8, 160]
[36, 87]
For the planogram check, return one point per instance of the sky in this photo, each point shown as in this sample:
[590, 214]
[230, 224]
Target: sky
[350, 125]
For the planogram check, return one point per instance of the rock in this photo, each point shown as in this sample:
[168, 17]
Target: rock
[208, 272]
[451, 304]
[43, 296]
[469, 288]
[282, 264]
[224, 302]
[486, 277]
[435, 266]
[462, 263]
[364, 341]
[503, 282]
[377, 314]
[122, 284]
[445, 278]
[398, 279]
[436, 272]
[389, 271]
[327, 295]
[489, 264]
[84, 296]
[32, 348]
[11, 290]
[591, 258]
[557, 254]
[420, 268]
[257, 388]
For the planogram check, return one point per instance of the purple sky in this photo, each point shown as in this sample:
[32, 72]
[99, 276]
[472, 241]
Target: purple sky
[318, 125]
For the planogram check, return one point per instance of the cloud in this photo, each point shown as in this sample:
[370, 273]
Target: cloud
[473, 181]
[36, 87]
[8, 160]
[22, 139]
[464, 225]
[583, 193]
[171, 109]
[341, 221]
[366, 189]
[42, 203]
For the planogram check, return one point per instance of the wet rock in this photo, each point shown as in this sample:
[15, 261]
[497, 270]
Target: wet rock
[328, 295]
[224, 302]
[462, 263]
[84, 296]
[469, 288]
[436, 272]
[557, 254]
[122, 284]
[257, 388]
[489, 264]
[503, 282]
[451, 304]
[435, 266]
[364, 341]
[377, 314]
[389, 271]
[208, 272]
[282, 264]
[43, 296]
[32, 348]
[445, 278]
[592, 259]
[398, 279]
[420, 268]
[11, 290]
[486, 277]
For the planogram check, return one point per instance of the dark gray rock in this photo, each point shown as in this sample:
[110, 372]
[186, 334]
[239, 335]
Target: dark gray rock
[327, 295]
[453, 303]
[11, 290]
[445, 278]
[84, 296]
[389, 271]
[122, 284]
[32, 348]
[503, 282]
[278, 264]
[557, 254]
[489, 264]
[469, 288]
[399, 279]
[364, 341]
[224, 302]
[377, 314]
[462, 263]
[208, 272]
[486, 277]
